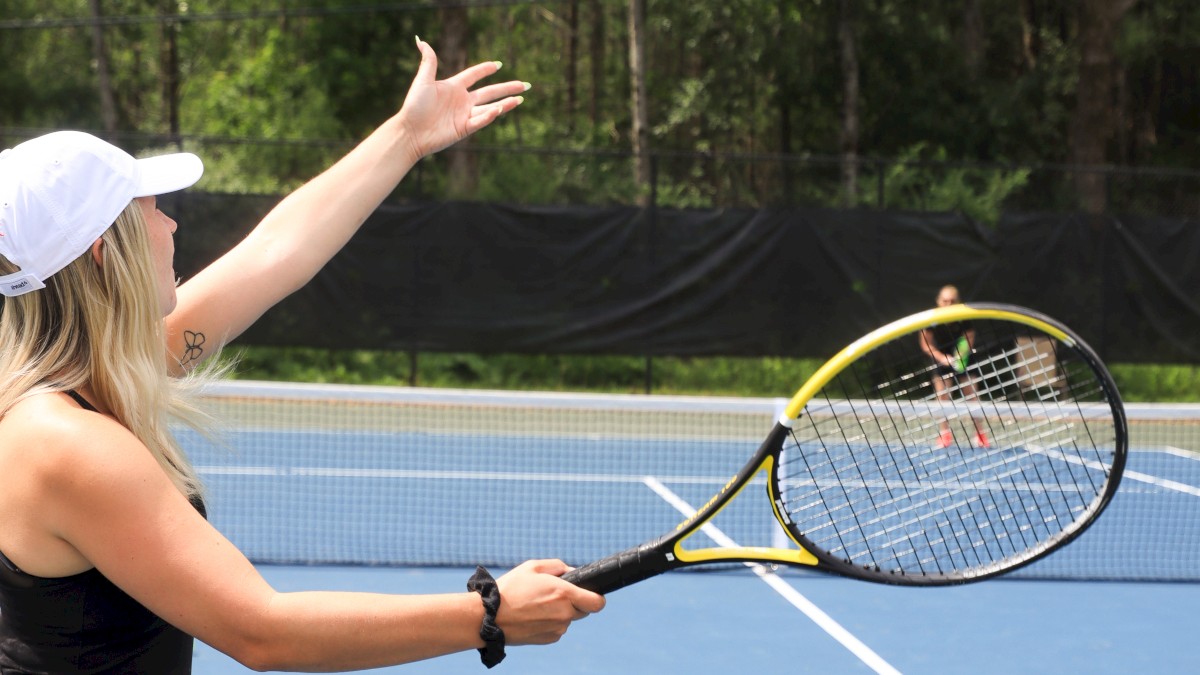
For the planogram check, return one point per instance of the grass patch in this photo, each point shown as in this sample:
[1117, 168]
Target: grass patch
[715, 376]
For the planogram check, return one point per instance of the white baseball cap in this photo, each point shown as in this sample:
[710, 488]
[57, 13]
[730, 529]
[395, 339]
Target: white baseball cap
[61, 191]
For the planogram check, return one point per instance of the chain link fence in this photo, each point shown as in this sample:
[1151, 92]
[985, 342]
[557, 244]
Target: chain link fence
[560, 176]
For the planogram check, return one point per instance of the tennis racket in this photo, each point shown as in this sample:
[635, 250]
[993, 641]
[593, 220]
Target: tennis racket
[856, 481]
[962, 351]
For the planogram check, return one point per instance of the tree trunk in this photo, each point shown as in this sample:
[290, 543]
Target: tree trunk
[572, 63]
[1030, 41]
[848, 44]
[169, 76]
[462, 164]
[598, 58]
[1094, 117]
[974, 48]
[783, 101]
[108, 103]
[637, 74]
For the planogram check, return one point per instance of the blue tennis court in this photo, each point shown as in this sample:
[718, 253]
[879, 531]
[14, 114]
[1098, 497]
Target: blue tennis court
[336, 496]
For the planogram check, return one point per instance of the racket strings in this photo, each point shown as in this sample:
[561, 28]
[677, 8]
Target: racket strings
[904, 511]
[871, 487]
[883, 420]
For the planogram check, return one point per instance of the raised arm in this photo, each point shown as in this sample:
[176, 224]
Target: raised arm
[309, 226]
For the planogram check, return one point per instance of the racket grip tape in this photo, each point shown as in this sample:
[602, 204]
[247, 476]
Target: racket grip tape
[620, 570]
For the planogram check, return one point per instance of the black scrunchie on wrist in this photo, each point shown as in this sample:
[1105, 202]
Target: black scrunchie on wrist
[493, 638]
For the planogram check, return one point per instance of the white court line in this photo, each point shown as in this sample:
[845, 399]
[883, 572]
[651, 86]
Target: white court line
[419, 474]
[819, 617]
[1131, 475]
[1180, 452]
[1163, 482]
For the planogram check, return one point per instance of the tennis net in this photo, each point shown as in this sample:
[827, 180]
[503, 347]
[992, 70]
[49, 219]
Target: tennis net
[320, 474]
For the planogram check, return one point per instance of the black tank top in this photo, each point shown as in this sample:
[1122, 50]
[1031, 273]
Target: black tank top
[945, 335]
[83, 624]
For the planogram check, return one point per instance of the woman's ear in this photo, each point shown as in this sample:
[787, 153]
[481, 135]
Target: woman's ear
[98, 252]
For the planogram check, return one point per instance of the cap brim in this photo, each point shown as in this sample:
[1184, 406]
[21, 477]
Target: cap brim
[167, 173]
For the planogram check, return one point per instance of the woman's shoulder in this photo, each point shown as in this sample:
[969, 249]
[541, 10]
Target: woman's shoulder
[41, 429]
[50, 413]
[60, 463]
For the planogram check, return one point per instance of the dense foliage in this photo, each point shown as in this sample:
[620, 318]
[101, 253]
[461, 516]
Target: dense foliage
[969, 105]
[273, 90]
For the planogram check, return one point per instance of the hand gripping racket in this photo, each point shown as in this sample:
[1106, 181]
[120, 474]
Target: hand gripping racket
[856, 481]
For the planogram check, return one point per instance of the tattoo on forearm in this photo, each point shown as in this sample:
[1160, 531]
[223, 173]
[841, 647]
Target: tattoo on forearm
[193, 350]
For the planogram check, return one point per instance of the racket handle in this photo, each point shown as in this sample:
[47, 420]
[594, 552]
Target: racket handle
[618, 571]
[962, 352]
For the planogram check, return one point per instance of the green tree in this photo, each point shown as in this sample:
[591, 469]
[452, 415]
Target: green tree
[261, 97]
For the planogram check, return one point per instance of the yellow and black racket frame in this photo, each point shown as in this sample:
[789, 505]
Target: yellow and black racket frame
[668, 551]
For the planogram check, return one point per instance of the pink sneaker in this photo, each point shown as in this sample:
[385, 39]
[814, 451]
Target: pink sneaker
[945, 440]
[980, 441]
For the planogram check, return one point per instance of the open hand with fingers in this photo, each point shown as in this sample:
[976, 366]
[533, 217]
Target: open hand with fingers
[438, 113]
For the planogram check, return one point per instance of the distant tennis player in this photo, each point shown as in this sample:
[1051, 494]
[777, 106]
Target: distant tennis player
[107, 564]
[949, 346]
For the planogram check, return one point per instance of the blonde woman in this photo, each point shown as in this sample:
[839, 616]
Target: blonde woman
[107, 563]
[942, 344]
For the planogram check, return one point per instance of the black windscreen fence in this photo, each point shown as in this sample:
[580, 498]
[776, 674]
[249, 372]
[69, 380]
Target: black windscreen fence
[490, 278]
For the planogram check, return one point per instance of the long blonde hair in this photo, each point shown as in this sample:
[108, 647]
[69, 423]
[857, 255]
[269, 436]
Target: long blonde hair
[101, 325]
